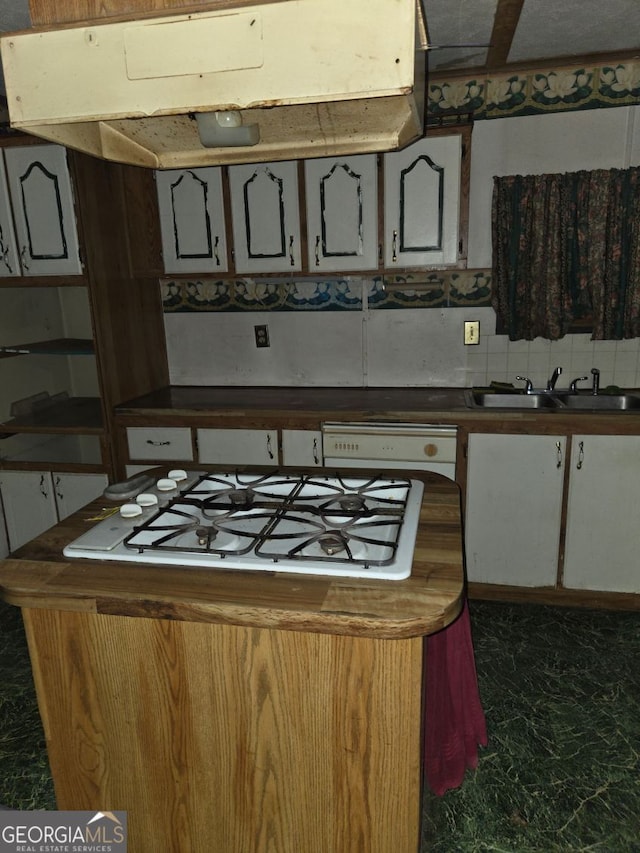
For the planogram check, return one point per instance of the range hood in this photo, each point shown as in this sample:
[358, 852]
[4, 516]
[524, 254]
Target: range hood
[296, 79]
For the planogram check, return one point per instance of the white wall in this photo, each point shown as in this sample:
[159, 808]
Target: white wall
[546, 144]
[423, 347]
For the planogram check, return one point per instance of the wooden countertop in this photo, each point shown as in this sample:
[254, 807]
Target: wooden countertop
[306, 407]
[194, 402]
[38, 576]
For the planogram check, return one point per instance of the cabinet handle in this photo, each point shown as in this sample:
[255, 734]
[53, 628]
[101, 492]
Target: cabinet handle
[291, 258]
[5, 252]
[317, 251]
[215, 250]
[580, 455]
[269, 450]
[316, 459]
[158, 443]
[58, 492]
[23, 255]
[43, 491]
[394, 246]
[558, 455]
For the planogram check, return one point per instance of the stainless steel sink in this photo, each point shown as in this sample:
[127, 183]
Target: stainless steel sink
[601, 402]
[553, 401]
[491, 400]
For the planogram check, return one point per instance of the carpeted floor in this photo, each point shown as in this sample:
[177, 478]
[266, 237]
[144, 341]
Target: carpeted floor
[561, 693]
[561, 774]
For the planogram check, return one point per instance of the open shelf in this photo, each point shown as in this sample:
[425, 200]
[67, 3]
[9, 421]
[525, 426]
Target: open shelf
[74, 452]
[70, 414]
[59, 346]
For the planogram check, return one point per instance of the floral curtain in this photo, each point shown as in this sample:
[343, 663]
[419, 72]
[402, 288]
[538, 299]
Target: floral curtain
[566, 247]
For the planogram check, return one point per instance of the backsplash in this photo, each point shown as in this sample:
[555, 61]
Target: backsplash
[348, 332]
[498, 359]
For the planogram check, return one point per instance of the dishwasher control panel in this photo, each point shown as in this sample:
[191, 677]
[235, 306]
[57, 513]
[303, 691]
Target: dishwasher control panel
[393, 445]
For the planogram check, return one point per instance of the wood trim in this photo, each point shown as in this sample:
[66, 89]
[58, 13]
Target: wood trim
[505, 23]
[555, 596]
[45, 13]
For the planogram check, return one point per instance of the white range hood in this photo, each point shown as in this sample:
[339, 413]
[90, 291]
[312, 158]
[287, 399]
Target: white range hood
[317, 77]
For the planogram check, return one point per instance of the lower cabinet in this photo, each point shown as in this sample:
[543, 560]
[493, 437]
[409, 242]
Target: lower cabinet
[515, 494]
[301, 447]
[160, 444]
[238, 446]
[33, 501]
[514, 508]
[602, 544]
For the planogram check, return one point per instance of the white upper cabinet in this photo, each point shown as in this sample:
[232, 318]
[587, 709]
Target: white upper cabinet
[9, 257]
[422, 203]
[44, 218]
[192, 220]
[265, 217]
[342, 213]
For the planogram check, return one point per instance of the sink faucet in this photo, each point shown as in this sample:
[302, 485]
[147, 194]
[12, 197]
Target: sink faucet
[595, 385]
[551, 384]
[528, 388]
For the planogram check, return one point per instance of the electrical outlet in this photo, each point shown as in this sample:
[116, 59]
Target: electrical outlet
[471, 332]
[262, 335]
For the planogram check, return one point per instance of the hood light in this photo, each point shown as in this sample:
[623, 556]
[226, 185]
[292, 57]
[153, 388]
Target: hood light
[224, 129]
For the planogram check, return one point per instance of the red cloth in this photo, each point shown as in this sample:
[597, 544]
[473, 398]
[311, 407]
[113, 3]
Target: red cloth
[454, 721]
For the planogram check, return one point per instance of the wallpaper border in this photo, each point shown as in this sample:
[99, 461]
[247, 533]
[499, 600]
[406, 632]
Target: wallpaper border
[434, 289]
[572, 87]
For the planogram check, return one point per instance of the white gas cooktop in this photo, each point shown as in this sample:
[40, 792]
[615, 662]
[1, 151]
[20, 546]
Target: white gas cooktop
[350, 526]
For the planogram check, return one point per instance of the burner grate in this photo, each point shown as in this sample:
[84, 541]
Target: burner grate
[310, 524]
[292, 517]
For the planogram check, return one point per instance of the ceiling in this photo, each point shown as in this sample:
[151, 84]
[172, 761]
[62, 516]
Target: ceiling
[527, 32]
[510, 32]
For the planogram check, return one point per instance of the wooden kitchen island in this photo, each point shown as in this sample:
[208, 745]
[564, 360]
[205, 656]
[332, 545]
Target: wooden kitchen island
[238, 712]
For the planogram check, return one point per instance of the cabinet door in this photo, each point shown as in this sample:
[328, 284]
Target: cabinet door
[73, 491]
[192, 220]
[301, 447]
[42, 199]
[238, 446]
[265, 217]
[513, 514]
[422, 203]
[9, 262]
[603, 514]
[342, 213]
[29, 505]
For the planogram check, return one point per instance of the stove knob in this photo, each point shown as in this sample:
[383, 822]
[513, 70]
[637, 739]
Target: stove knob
[130, 510]
[431, 450]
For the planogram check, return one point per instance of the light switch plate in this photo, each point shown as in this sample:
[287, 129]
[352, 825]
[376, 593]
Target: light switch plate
[471, 332]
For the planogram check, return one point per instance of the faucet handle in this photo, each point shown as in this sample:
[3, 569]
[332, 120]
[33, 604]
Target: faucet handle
[574, 384]
[528, 388]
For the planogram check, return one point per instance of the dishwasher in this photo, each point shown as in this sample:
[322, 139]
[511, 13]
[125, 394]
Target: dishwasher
[381, 445]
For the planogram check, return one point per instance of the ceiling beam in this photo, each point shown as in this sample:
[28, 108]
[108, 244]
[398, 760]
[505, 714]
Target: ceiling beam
[504, 28]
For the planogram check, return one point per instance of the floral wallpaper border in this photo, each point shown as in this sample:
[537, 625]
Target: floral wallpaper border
[534, 92]
[437, 289]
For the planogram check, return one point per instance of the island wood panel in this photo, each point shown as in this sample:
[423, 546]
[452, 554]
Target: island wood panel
[228, 739]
